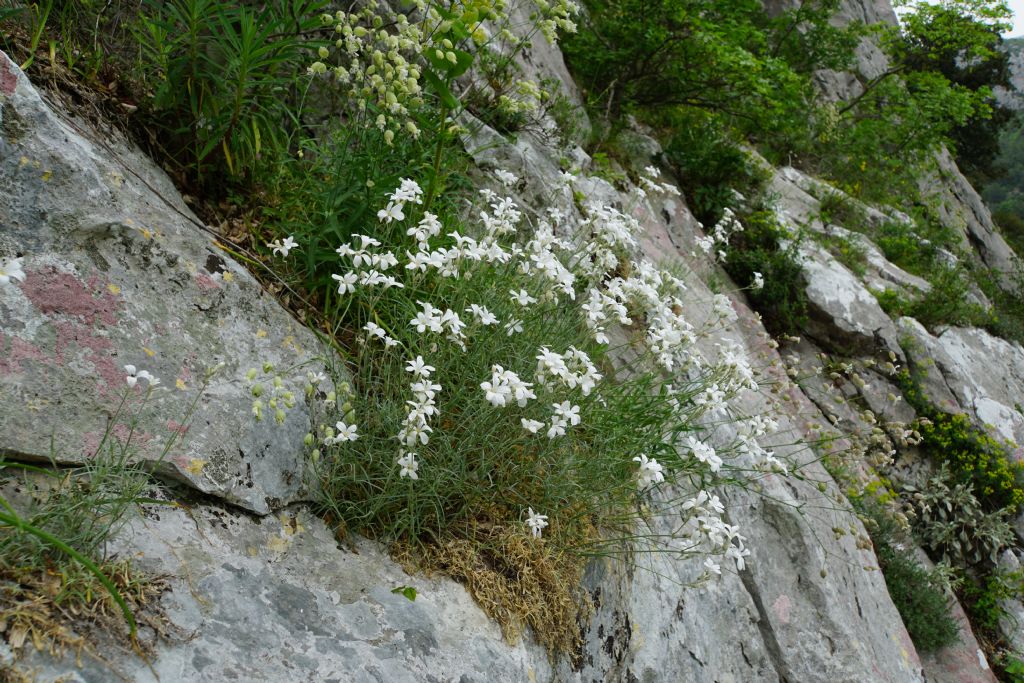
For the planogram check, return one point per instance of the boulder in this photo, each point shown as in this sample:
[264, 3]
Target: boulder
[844, 315]
[120, 272]
[969, 370]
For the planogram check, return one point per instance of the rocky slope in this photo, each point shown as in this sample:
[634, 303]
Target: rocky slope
[120, 271]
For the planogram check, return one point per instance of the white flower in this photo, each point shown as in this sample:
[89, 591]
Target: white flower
[522, 297]
[712, 567]
[568, 412]
[346, 432]
[409, 466]
[10, 269]
[482, 315]
[496, 393]
[705, 453]
[346, 282]
[427, 319]
[150, 379]
[758, 282]
[536, 522]
[284, 247]
[513, 326]
[651, 471]
[557, 427]
[531, 425]
[375, 330]
[419, 368]
[394, 211]
[507, 179]
[134, 375]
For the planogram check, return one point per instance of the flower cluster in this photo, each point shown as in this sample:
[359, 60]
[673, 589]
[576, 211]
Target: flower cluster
[416, 429]
[647, 183]
[611, 237]
[375, 264]
[505, 387]
[572, 369]
[720, 234]
[280, 399]
[705, 519]
[650, 472]
[377, 68]
[134, 375]
[439, 322]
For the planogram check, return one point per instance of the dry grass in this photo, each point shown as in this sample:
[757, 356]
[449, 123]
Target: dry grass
[51, 610]
[518, 581]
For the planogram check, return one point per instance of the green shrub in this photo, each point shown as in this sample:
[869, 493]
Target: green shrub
[782, 302]
[946, 303]
[919, 594]
[224, 80]
[838, 209]
[975, 458]
[711, 166]
[954, 524]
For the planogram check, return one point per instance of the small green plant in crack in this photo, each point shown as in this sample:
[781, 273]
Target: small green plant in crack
[55, 524]
[921, 596]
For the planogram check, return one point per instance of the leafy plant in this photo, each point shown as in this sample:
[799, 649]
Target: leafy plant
[223, 79]
[764, 247]
[920, 595]
[952, 522]
[711, 166]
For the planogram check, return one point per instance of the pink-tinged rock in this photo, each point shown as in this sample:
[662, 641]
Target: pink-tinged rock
[102, 291]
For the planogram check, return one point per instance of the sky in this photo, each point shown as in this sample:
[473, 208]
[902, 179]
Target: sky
[1018, 18]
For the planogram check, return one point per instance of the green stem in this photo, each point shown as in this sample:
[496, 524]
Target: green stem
[438, 150]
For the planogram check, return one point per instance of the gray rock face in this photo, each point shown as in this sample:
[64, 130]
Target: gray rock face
[969, 369]
[277, 600]
[869, 60]
[844, 314]
[118, 272]
[962, 209]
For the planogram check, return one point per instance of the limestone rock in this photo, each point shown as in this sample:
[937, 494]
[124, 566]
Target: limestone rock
[844, 314]
[962, 209]
[927, 359]
[276, 599]
[119, 271]
[974, 371]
